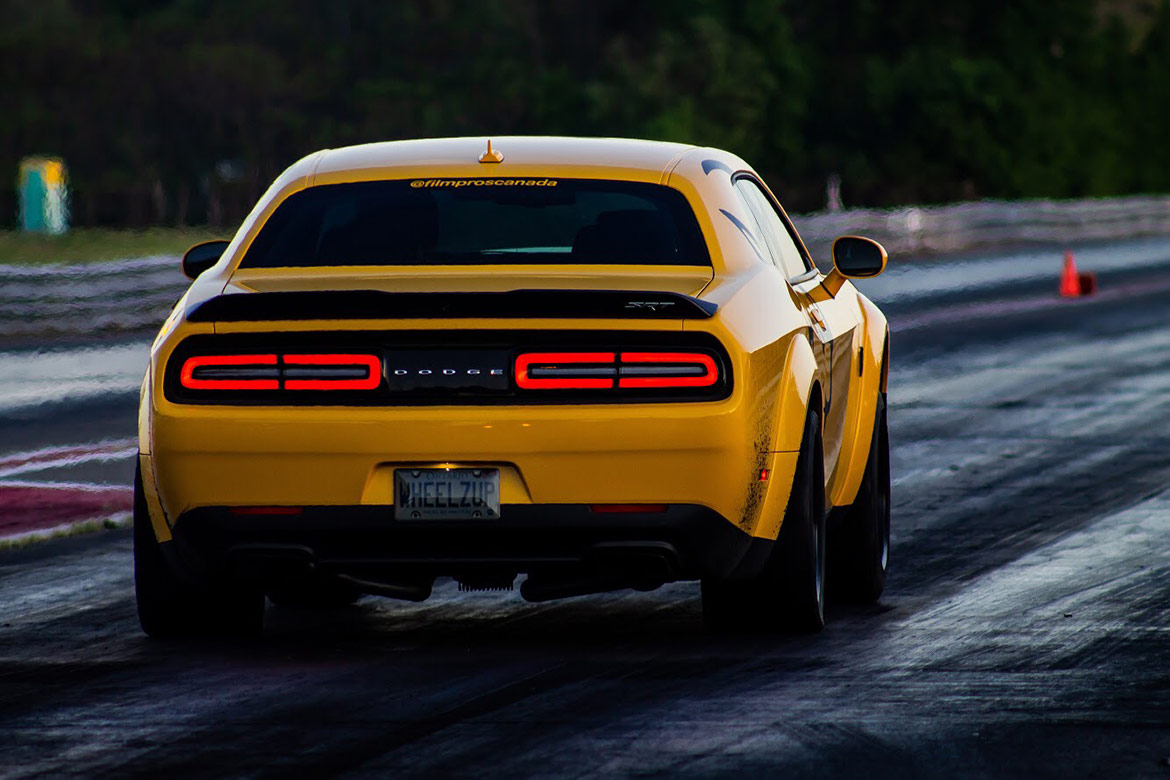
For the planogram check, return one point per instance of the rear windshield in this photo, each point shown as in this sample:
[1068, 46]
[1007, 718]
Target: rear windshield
[475, 221]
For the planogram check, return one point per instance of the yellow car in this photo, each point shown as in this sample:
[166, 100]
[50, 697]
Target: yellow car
[598, 363]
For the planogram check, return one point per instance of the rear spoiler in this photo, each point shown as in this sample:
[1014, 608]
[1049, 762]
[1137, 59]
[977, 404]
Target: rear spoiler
[520, 304]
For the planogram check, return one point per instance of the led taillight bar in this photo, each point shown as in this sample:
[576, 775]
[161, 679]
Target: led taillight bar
[231, 372]
[607, 370]
[367, 367]
[565, 371]
[288, 372]
[668, 369]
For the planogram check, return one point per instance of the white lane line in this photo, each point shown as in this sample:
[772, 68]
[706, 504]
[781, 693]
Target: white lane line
[34, 378]
[56, 457]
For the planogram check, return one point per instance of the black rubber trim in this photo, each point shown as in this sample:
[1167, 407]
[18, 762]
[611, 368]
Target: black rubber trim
[545, 538]
[519, 304]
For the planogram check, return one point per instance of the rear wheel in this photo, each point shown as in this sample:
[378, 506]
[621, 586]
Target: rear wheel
[169, 607]
[861, 540]
[790, 591]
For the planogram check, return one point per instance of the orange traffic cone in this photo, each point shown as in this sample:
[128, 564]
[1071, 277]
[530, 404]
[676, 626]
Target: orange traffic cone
[1073, 284]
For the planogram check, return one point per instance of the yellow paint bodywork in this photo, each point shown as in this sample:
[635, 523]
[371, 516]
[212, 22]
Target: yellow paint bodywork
[706, 453]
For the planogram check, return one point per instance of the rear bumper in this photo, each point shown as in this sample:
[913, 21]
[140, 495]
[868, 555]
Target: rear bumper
[703, 454]
[365, 542]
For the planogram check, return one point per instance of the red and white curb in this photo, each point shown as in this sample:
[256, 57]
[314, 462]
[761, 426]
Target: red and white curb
[32, 508]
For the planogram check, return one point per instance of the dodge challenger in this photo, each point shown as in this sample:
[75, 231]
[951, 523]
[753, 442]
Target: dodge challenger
[585, 364]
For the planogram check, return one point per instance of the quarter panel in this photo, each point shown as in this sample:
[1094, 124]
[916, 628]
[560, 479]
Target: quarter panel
[767, 335]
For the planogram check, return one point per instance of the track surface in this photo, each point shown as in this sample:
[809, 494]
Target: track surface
[1025, 630]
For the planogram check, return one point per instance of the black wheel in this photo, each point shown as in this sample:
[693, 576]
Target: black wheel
[313, 594]
[860, 544]
[789, 593]
[169, 607]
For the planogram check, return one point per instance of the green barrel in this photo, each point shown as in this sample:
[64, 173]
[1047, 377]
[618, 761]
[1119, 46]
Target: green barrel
[44, 195]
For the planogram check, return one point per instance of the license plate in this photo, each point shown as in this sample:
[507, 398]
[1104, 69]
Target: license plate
[446, 494]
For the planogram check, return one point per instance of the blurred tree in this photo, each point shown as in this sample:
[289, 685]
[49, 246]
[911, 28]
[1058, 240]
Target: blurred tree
[183, 110]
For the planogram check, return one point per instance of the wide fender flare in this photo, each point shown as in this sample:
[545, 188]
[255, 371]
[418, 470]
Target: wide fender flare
[871, 382]
[796, 391]
[800, 376]
[158, 520]
[876, 368]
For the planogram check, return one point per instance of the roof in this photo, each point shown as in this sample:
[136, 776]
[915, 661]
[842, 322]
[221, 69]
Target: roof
[516, 150]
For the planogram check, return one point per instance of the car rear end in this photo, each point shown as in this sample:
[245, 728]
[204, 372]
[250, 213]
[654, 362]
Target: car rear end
[405, 380]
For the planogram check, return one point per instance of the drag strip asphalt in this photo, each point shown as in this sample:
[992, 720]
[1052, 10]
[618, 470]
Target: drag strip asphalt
[1025, 630]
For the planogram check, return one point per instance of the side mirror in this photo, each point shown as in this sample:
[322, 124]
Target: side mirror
[858, 258]
[202, 256]
[855, 257]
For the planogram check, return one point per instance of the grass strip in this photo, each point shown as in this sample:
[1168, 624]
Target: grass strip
[17, 541]
[84, 245]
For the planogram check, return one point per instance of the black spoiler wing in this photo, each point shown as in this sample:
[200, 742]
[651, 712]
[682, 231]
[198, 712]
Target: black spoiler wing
[519, 304]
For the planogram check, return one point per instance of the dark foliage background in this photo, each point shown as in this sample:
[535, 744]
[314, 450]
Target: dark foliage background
[183, 111]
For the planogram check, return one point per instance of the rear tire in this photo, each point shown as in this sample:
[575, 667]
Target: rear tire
[789, 594]
[861, 541]
[169, 607]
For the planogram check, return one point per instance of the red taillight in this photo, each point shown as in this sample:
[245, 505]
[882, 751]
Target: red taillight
[338, 373]
[668, 369]
[600, 370]
[274, 372]
[565, 371]
[231, 372]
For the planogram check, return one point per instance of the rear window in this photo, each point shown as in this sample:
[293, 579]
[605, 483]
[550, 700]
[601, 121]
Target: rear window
[477, 221]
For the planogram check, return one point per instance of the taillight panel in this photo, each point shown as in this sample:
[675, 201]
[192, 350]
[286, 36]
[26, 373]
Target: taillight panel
[327, 372]
[401, 368]
[610, 370]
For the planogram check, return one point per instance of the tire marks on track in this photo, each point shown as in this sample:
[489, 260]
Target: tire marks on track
[1023, 631]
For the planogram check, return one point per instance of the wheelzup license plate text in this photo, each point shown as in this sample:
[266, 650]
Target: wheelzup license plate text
[446, 494]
